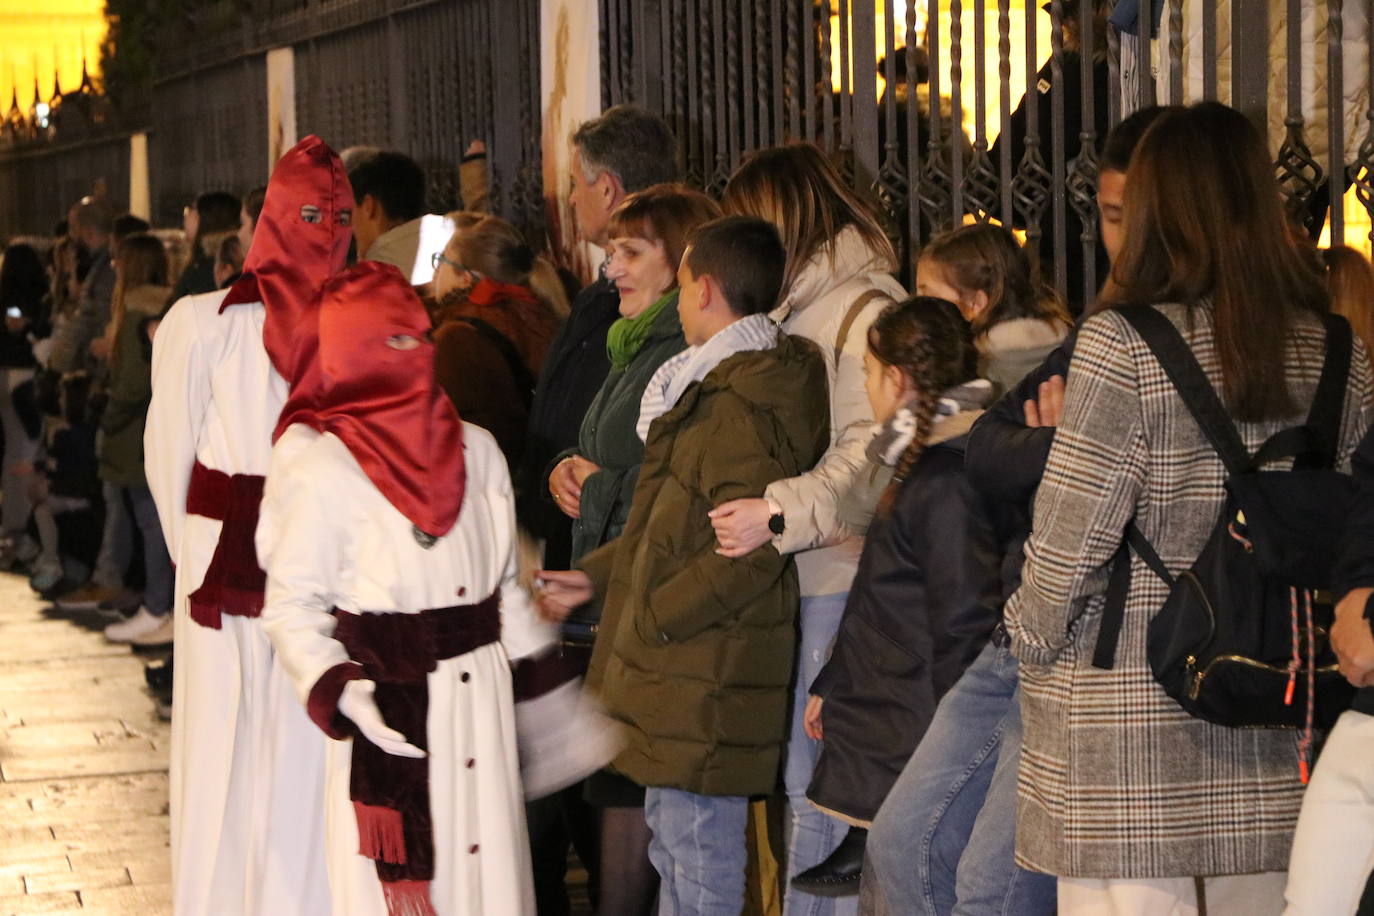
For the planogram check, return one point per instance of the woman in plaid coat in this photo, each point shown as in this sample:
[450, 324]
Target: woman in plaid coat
[1137, 806]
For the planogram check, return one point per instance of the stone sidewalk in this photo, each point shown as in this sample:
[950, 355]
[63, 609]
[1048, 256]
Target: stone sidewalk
[83, 768]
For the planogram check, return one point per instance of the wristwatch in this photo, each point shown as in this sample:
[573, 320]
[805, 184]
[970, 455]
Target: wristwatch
[777, 522]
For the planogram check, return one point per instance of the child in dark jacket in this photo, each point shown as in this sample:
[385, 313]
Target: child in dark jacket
[927, 593]
[695, 651]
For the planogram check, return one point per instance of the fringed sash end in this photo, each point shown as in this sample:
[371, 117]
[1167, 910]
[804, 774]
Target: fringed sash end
[380, 836]
[408, 898]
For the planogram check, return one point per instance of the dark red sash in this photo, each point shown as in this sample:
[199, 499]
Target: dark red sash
[391, 794]
[234, 582]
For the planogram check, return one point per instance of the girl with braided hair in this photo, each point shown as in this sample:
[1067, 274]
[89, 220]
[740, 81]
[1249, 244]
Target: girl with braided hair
[927, 593]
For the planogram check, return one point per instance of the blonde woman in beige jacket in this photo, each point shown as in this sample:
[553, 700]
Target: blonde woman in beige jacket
[838, 279]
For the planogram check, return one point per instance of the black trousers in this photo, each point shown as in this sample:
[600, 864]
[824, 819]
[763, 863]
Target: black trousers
[556, 822]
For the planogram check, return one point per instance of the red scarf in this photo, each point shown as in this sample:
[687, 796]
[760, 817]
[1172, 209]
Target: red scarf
[489, 292]
[301, 240]
[371, 384]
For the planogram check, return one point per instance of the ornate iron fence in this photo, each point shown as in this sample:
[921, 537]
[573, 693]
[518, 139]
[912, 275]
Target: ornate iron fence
[923, 103]
[422, 76]
[209, 133]
[38, 183]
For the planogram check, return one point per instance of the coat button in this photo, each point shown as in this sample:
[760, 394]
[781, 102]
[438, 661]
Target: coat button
[466, 677]
[471, 762]
[462, 590]
[664, 638]
[473, 849]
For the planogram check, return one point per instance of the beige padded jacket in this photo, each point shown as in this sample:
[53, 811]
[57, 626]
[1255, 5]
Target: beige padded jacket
[816, 307]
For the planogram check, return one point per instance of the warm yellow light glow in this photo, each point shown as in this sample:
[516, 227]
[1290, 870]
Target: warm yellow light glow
[967, 31]
[1357, 225]
[50, 35]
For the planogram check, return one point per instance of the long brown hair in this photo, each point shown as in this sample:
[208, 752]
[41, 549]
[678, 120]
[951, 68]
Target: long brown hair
[1203, 221]
[796, 189]
[986, 258]
[929, 341]
[142, 261]
[1350, 280]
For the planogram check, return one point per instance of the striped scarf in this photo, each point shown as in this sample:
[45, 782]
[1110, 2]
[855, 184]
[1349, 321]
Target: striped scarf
[753, 332]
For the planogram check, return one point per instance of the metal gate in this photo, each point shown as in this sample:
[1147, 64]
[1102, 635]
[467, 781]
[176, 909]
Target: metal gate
[422, 77]
[916, 99]
[39, 183]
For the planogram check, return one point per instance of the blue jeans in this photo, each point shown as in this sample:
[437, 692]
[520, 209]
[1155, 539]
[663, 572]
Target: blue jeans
[943, 841]
[157, 564]
[700, 851]
[813, 835]
[116, 542]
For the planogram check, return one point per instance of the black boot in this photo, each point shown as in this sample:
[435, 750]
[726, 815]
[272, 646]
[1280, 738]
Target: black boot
[838, 875]
[159, 677]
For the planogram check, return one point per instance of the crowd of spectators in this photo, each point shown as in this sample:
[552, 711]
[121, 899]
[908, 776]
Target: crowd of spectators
[864, 578]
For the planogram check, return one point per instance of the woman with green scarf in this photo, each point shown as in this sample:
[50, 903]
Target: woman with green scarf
[648, 233]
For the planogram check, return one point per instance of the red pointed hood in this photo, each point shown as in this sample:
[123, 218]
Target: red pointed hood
[371, 383]
[301, 240]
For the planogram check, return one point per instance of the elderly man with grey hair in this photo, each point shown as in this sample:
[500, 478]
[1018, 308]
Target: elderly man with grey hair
[624, 150]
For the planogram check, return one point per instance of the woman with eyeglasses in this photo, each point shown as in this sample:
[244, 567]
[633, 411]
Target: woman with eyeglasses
[497, 308]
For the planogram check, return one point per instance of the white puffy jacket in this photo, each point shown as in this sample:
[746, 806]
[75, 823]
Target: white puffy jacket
[815, 308]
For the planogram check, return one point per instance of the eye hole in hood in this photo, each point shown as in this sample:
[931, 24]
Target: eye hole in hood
[403, 342]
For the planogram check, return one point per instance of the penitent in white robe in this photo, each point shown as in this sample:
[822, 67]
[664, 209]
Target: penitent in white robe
[329, 538]
[247, 764]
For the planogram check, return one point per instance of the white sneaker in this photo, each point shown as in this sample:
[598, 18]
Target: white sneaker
[162, 636]
[139, 627]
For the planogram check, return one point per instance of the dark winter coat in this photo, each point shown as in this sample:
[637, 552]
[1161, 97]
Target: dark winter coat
[574, 368]
[696, 651]
[608, 438]
[925, 599]
[198, 277]
[130, 392]
[1005, 458]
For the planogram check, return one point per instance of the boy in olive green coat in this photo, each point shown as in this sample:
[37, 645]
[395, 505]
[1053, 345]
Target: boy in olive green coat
[695, 651]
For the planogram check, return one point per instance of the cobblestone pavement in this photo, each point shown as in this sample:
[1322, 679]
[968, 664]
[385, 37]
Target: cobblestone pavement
[83, 768]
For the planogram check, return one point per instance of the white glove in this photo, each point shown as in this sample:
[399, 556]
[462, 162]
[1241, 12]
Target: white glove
[357, 703]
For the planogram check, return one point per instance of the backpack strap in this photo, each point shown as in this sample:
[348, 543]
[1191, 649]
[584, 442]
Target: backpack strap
[1178, 362]
[520, 373]
[1313, 445]
[1328, 404]
[1118, 587]
[855, 309]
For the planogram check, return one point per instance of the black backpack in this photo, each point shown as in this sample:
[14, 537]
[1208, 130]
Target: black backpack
[1241, 640]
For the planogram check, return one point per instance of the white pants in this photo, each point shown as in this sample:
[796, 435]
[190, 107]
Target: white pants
[1333, 850]
[1231, 895]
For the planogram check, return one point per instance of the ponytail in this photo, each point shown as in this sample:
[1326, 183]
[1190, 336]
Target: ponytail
[548, 287]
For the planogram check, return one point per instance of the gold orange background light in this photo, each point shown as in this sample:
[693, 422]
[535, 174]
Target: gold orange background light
[51, 34]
